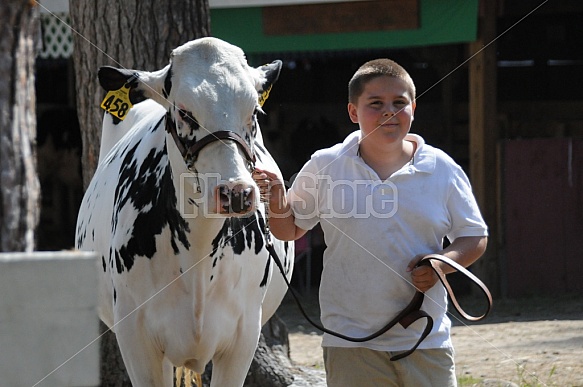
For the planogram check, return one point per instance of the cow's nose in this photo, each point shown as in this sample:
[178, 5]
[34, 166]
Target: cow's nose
[236, 199]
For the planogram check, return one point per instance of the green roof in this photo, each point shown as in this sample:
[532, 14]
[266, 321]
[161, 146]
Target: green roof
[440, 22]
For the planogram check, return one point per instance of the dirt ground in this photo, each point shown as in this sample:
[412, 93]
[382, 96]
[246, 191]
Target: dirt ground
[528, 342]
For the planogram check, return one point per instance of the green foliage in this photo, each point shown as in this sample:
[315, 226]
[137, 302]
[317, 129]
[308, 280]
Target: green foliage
[525, 379]
[467, 380]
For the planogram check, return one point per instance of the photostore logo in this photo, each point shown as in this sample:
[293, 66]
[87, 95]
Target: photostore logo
[320, 195]
[317, 196]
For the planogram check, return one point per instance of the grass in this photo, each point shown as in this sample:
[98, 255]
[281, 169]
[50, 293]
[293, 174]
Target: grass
[525, 379]
[467, 380]
[531, 380]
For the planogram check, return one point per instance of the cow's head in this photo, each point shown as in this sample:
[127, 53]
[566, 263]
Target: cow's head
[207, 88]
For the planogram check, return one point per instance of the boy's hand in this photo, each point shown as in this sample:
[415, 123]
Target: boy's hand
[271, 188]
[463, 250]
[281, 217]
[423, 277]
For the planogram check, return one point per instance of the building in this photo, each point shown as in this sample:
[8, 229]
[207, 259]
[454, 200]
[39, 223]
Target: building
[511, 114]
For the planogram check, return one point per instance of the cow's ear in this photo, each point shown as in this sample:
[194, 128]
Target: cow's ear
[271, 74]
[142, 84]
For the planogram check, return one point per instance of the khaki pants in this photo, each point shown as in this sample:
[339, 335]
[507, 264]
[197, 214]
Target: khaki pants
[362, 367]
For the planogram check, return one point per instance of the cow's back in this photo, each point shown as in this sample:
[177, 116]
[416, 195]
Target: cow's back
[109, 211]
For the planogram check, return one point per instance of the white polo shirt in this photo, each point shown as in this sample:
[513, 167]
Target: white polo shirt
[372, 230]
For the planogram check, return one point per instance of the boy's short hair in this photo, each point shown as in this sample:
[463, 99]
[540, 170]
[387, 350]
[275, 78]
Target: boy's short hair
[376, 68]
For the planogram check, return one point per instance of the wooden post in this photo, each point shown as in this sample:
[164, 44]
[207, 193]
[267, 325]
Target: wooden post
[484, 135]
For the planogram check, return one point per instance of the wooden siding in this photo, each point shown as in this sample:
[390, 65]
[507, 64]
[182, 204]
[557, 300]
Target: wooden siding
[543, 216]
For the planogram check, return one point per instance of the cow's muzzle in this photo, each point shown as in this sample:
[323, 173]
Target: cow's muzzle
[236, 199]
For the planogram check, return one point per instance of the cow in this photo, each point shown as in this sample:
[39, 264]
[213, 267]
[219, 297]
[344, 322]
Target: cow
[176, 218]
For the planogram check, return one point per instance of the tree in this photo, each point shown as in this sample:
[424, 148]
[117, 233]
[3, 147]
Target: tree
[139, 34]
[133, 34]
[19, 186]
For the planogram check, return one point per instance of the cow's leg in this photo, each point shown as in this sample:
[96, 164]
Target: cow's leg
[230, 367]
[144, 362]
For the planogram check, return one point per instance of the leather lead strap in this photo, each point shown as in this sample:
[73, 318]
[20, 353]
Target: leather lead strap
[451, 263]
[411, 313]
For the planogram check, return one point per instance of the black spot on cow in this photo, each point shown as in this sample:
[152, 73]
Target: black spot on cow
[239, 234]
[148, 188]
[118, 263]
[254, 126]
[168, 83]
[81, 234]
[261, 152]
[189, 119]
[266, 272]
[260, 230]
[103, 263]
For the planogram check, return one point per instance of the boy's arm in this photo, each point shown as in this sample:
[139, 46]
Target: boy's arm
[463, 250]
[281, 217]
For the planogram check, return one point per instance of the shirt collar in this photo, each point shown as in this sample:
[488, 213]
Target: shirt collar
[424, 158]
[350, 144]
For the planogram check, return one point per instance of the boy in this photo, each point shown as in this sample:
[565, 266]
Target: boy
[384, 200]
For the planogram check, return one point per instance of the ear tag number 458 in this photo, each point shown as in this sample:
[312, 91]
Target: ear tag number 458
[117, 102]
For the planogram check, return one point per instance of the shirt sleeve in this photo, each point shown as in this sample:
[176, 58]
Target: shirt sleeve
[303, 196]
[466, 219]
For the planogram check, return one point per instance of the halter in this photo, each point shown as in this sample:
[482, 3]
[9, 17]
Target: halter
[190, 154]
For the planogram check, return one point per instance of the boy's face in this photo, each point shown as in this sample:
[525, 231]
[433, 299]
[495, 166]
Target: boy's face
[384, 110]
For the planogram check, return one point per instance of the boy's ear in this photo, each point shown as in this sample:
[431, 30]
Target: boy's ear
[142, 84]
[353, 113]
[271, 73]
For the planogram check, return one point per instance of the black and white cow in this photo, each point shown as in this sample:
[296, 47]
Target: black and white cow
[185, 277]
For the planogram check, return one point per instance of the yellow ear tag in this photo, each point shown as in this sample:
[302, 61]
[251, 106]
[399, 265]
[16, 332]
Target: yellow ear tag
[117, 102]
[263, 97]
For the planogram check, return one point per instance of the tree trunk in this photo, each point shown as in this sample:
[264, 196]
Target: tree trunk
[138, 34]
[271, 366]
[19, 186]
